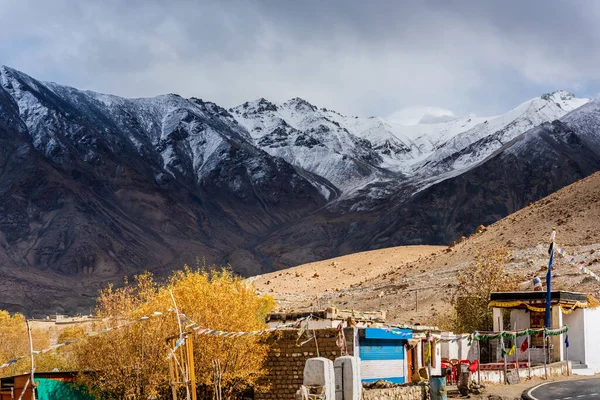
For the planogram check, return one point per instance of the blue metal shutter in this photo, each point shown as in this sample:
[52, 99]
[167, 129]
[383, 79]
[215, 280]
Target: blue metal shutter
[382, 359]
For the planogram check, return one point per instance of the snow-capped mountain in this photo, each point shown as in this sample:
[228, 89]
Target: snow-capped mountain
[312, 139]
[95, 186]
[533, 165]
[475, 144]
[352, 152]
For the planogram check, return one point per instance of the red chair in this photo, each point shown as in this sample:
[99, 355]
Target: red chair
[446, 365]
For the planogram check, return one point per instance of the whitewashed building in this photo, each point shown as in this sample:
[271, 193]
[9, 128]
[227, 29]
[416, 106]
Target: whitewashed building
[527, 310]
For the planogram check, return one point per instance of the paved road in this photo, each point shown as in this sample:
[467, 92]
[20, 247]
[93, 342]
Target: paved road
[565, 390]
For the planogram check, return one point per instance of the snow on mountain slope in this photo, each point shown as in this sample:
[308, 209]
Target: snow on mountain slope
[354, 153]
[167, 139]
[183, 136]
[342, 154]
[416, 141]
[474, 145]
[313, 140]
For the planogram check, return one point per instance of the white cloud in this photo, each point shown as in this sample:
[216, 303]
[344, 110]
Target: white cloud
[414, 115]
[354, 57]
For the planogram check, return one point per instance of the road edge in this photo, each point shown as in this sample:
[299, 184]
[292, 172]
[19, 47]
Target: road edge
[527, 392]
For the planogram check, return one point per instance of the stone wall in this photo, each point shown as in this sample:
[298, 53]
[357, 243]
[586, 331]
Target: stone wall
[412, 392]
[285, 364]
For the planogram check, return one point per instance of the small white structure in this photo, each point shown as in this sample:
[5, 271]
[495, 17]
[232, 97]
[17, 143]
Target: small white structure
[527, 310]
[319, 371]
[348, 385]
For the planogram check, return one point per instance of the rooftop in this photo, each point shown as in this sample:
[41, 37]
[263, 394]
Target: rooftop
[539, 295]
[537, 299]
[331, 313]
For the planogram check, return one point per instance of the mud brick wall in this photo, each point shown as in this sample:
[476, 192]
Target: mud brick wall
[285, 364]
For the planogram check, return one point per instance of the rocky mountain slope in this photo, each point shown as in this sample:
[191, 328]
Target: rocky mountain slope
[354, 153]
[94, 187]
[394, 278]
[532, 165]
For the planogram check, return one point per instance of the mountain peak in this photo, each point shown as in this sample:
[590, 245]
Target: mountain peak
[559, 95]
[257, 106]
[300, 104]
[6, 69]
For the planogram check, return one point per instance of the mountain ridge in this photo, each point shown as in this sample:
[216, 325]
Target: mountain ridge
[94, 187]
[390, 278]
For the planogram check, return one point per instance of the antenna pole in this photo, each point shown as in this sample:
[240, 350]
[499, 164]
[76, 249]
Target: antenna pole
[549, 279]
[32, 363]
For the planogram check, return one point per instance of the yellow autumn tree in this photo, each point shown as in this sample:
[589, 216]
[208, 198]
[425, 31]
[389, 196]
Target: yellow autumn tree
[14, 344]
[13, 341]
[131, 362]
[476, 282]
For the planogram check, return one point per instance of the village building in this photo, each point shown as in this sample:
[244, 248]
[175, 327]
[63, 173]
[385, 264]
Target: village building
[391, 353]
[527, 310]
[57, 323]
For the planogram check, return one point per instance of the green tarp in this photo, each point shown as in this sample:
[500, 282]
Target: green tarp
[53, 389]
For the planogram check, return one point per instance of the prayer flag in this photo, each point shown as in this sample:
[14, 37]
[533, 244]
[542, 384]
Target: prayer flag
[427, 352]
[512, 350]
[524, 345]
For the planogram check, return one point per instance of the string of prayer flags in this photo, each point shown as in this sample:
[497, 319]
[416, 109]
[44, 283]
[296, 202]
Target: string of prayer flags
[183, 318]
[514, 334]
[452, 339]
[70, 342]
[579, 265]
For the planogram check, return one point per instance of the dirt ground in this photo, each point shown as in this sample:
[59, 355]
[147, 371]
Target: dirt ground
[319, 277]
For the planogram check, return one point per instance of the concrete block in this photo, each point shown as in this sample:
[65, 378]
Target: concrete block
[319, 372]
[348, 385]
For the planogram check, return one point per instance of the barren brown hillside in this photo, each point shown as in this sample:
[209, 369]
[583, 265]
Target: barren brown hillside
[394, 279]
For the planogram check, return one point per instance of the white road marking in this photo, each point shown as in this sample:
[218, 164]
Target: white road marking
[530, 391]
[536, 387]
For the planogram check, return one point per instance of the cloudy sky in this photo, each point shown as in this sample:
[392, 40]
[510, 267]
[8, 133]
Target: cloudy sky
[386, 58]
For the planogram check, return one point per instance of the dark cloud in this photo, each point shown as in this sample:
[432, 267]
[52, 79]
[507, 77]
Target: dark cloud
[367, 58]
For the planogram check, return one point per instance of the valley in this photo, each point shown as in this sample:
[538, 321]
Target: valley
[95, 187]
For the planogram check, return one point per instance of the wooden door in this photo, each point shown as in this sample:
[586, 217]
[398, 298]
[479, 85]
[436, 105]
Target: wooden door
[410, 364]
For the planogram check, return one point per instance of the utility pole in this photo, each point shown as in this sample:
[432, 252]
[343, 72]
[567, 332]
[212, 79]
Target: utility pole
[416, 299]
[549, 279]
[32, 363]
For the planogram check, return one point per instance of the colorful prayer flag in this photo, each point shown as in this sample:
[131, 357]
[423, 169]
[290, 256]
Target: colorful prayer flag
[427, 352]
[512, 350]
[525, 345]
